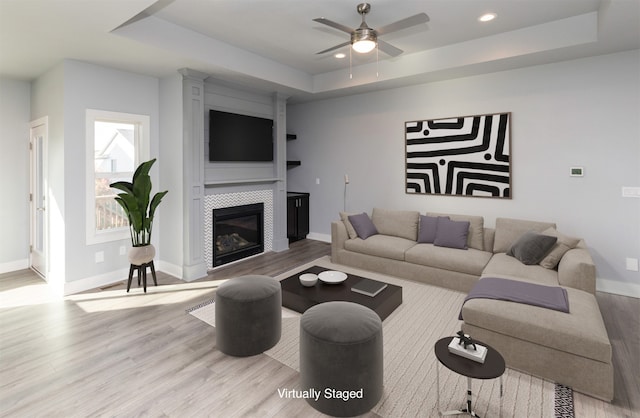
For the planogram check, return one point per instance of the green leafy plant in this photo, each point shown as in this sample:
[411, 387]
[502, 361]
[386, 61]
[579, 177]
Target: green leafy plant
[137, 204]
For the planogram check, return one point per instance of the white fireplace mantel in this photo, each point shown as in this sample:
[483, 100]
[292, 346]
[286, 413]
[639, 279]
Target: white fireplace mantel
[202, 179]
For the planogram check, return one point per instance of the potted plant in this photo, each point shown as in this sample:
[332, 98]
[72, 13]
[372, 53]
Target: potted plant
[140, 210]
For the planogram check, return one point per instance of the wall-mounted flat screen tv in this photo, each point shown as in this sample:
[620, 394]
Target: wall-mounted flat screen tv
[235, 137]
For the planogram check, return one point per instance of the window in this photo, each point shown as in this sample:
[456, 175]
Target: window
[116, 144]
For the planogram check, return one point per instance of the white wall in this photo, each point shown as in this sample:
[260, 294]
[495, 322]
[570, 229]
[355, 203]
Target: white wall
[47, 99]
[171, 168]
[14, 174]
[576, 113]
[63, 94]
[88, 86]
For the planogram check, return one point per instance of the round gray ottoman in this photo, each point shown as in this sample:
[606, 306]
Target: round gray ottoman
[248, 315]
[341, 357]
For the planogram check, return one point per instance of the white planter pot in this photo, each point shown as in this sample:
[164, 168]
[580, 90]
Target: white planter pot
[141, 255]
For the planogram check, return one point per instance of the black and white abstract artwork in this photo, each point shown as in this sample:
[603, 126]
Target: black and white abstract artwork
[460, 156]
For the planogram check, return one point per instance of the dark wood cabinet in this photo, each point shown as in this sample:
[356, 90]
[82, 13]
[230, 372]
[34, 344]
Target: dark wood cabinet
[297, 216]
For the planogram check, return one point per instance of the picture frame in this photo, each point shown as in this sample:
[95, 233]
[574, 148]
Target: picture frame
[459, 156]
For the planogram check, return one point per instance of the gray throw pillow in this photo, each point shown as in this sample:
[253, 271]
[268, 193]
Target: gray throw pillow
[363, 225]
[427, 229]
[452, 234]
[564, 244]
[344, 216]
[531, 248]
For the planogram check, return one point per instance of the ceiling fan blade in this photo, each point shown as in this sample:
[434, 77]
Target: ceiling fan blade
[389, 49]
[333, 24]
[403, 24]
[334, 48]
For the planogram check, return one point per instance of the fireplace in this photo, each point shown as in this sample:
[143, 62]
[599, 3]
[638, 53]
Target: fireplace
[238, 232]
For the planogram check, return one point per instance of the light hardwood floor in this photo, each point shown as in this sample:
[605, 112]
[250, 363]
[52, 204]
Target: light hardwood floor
[108, 353]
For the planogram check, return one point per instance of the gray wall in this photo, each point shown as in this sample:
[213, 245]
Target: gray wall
[63, 94]
[171, 169]
[14, 173]
[47, 99]
[575, 113]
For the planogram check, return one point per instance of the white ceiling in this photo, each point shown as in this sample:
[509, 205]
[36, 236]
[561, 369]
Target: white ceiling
[272, 45]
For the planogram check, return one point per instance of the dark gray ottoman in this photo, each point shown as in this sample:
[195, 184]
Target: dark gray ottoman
[341, 357]
[248, 315]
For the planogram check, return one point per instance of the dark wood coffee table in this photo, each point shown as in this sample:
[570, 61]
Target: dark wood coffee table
[300, 298]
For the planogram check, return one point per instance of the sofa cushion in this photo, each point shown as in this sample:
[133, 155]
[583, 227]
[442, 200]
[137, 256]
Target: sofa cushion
[363, 225]
[427, 228]
[452, 234]
[471, 261]
[503, 266]
[509, 230]
[563, 244]
[397, 223]
[380, 246]
[531, 247]
[475, 238]
[581, 331]
[344, 216]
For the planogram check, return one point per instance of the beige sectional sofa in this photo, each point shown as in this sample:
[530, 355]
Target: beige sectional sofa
[569, 348]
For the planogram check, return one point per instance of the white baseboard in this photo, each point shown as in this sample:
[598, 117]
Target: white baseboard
[194, 272]
[94, 282]
[319, 237]
[169, 268]
[618, 288]
[14, 265]
[112, 277]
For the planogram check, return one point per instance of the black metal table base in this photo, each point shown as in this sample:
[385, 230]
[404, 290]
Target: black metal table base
[142, 273]
[468, 410]
[493, 367]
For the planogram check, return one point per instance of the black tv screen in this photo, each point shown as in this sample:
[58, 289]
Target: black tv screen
[234, 137]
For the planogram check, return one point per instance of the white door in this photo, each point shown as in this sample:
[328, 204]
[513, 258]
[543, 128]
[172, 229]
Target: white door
[38, 148]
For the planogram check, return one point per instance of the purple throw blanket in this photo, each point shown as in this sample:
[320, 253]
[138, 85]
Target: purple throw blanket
[551, 297]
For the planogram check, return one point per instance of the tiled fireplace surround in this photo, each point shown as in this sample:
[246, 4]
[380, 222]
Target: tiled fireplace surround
[224, 200]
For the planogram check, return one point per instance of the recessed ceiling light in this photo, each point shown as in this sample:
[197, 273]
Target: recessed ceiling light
[487, 17]
[340, 55]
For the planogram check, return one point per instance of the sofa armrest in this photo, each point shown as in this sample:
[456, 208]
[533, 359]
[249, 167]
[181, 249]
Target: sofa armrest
[338, 237]
[577, 269]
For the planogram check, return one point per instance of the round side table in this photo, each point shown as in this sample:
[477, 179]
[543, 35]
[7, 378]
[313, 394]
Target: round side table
[493, 367]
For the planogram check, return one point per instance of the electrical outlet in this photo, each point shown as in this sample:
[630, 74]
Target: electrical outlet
[318, 180]
[123, 250]
[346, 179]
[632, 264]
[99, 256]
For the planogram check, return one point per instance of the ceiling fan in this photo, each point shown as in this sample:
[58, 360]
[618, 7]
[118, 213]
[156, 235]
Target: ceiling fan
[364, 39]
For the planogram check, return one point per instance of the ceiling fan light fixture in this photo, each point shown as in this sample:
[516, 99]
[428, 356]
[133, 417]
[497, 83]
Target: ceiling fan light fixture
[363, 46]
[363, 40]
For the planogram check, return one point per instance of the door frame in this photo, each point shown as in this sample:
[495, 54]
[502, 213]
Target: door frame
[33, 150]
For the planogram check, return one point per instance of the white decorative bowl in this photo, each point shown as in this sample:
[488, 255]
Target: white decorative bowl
[308, 279]
[332, 276]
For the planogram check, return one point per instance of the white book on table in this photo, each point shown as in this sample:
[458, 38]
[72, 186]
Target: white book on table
[478, 355]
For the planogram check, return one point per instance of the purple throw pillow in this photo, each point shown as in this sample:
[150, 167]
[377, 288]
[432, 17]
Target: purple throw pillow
[428, 227]
[363, 225]
[452, 234]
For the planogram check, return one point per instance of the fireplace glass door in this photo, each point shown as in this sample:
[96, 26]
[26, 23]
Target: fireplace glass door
[237, 233]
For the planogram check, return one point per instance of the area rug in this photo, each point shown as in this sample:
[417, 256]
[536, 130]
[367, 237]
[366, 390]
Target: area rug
[427, 314]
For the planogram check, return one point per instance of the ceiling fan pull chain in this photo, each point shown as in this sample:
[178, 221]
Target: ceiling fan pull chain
[377, 61]
[350, 71]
